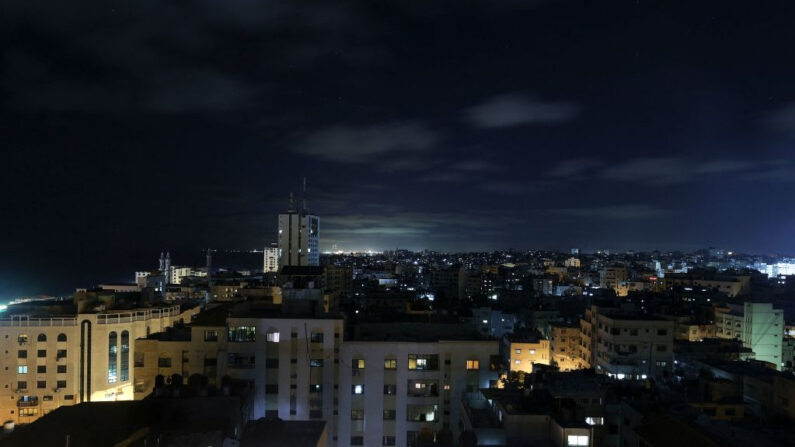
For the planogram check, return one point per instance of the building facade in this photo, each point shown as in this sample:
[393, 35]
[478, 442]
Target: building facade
[270, 260]
[49, 362]
[627, 346]
[299, 239]
[390, 391]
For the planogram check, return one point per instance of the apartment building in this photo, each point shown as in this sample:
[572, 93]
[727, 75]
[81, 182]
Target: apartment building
[291, 360]
[67, 359]
[564, 346]
[627, 345]
[390, 391]
[758, 325]
[521, 351]
[728, 284]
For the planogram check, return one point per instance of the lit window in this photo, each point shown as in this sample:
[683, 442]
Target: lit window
[473, 365]
[22, 369]
[272, 337]
[577, 440]
[358, 389]
[358, 363]
[112, 350]
[518, 351]
[518, 362]
[532, 352]
[390, 363]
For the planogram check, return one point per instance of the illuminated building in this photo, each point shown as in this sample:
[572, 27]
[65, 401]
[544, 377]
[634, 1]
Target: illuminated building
[564, 346]
[758, 325]
[177, 273]
[64, 360]
[390, 391]
[299, 237]
[520, 352]
[291, 361]
[270, 260]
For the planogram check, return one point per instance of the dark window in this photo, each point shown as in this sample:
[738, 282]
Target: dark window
[315, 388]
[316, 363]
[61, 384]
[390, 389]
[41, 369]
[41, 337]
[21, 385]
[41, 384]
[164, 362]
[357, 440]
[662, 332]
[22, 354]
[61, 337]
[272, 363]
[389, 415]
[388, 440]
[316, 337]
[210, 362]
[662, 348]
[272, 389]
[60, 354]
[211, 335]
[69, 397]
[41, 353]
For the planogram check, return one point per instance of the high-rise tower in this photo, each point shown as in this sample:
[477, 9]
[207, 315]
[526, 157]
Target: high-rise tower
[299, 235]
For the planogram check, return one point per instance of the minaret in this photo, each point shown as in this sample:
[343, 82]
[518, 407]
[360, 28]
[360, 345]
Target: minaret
[208, 295]
[168, 267]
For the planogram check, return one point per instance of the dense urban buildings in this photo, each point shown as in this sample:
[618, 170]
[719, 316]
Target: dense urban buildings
[405, 349]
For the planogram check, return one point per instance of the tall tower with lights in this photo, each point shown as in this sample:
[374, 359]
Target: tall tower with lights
[299, 235]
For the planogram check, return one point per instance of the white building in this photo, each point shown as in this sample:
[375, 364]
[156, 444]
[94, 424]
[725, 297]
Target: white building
[299, 238]
[758, 325]
[179, 272]
[270, 260]
[391, 390]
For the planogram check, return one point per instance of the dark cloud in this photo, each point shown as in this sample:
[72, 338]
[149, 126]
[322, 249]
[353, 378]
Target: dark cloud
[673, 170]
[573, 168]
[516, 109]
[632, 211]
[359, 144]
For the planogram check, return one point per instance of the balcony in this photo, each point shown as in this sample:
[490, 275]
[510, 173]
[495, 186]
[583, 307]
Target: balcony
[28, 402]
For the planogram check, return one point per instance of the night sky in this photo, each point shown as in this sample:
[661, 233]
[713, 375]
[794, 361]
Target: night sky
[129, 127]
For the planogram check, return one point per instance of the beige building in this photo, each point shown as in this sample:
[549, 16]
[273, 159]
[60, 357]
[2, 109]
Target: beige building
[612, 277]
[564, 345]
[522, 352]
[64, 360]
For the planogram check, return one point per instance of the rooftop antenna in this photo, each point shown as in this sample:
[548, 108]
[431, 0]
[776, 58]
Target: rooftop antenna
[292, 203]
[303, 198]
